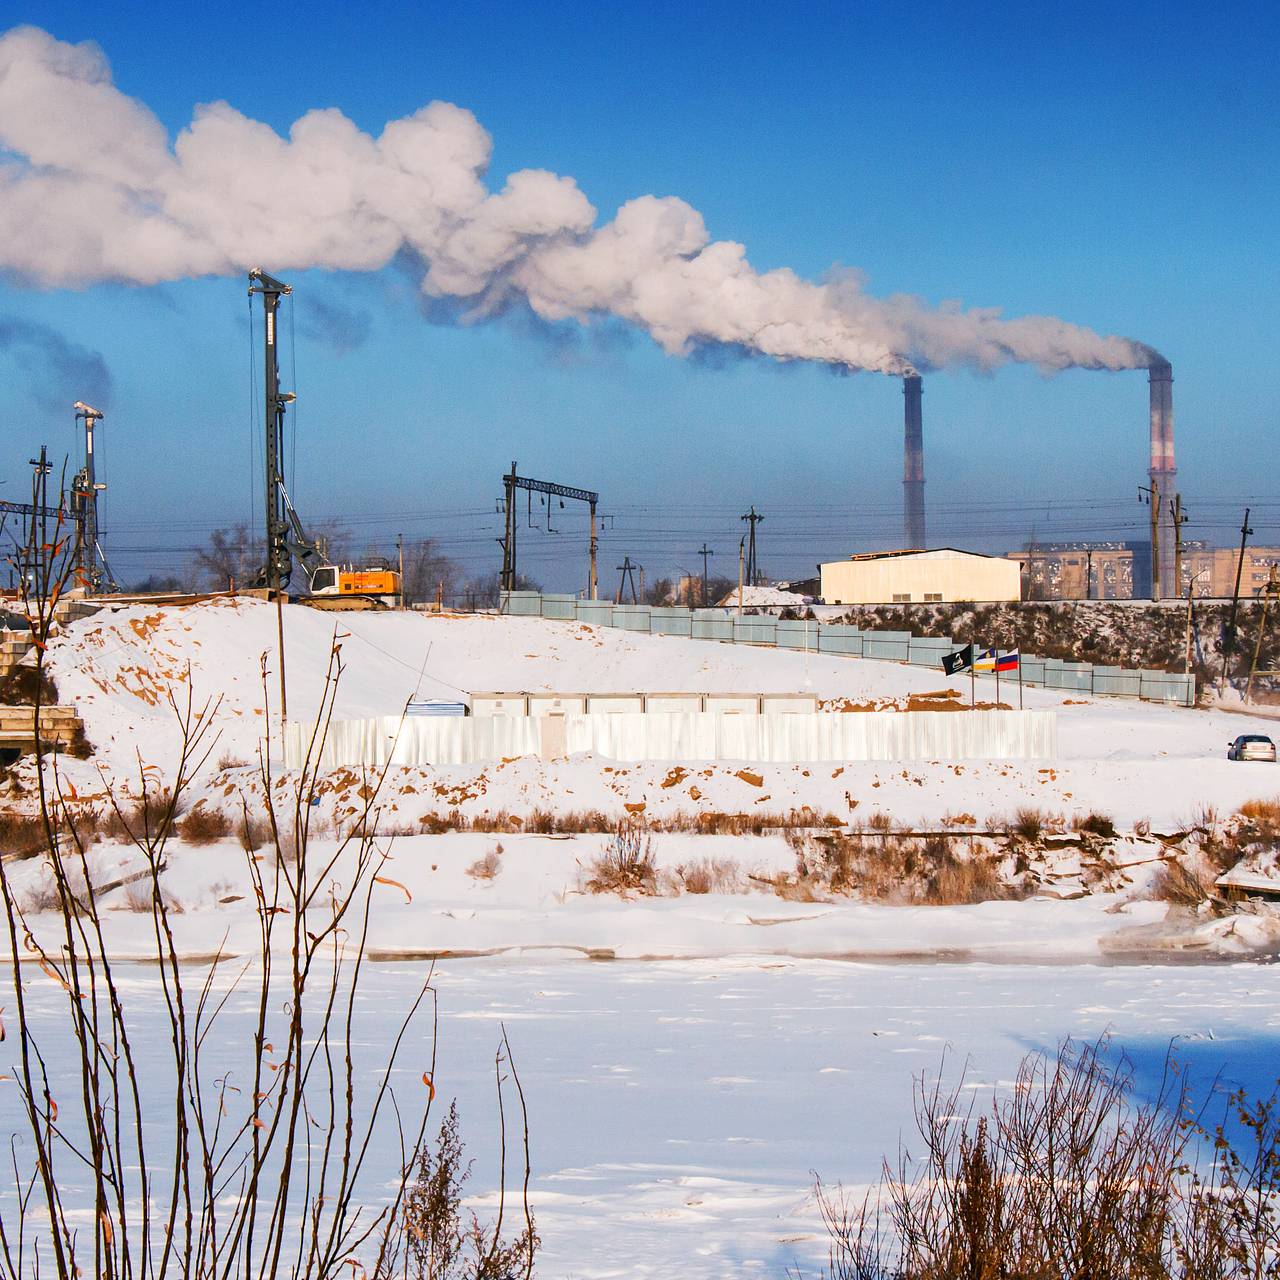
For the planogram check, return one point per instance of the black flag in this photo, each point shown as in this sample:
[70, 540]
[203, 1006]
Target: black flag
[961, 660]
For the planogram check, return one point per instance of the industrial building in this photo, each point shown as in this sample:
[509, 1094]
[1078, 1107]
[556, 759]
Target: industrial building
[1084, 570]
[1122, 570]
[943, 575]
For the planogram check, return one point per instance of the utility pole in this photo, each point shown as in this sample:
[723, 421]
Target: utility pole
[508, 539]
[1153, 499]
[35, 516]
[1229, 636]
[753, 569]
[1270, 592]
[41, 467]
[1179, 519]
[627, 569]
[400, 559]
[1088, 576]
[1191, 591]
[741, 562]
[704, 553]
[594, 548]
[510, 483]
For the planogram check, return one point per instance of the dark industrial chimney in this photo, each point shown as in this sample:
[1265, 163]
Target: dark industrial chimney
[913, 461]
[1163, 472]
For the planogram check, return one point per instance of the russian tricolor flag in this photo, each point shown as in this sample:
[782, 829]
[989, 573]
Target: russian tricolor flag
[1007, 661]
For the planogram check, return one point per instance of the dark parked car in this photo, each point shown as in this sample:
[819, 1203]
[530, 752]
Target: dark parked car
[1252, 746]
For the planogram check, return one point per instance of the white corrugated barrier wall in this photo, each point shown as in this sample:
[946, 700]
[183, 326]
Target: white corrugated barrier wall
[786, 739]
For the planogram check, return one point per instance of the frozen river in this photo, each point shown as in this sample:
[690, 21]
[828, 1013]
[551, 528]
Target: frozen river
[678, 1109]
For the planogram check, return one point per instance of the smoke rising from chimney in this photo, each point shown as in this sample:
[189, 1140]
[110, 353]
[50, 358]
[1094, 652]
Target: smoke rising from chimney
[92, 190]
[50, 360]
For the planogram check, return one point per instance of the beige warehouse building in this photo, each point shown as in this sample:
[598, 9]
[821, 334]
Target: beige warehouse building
[940, 576]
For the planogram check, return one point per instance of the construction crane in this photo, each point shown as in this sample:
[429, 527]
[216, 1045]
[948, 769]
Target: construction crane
[91, 560]
[287, 539]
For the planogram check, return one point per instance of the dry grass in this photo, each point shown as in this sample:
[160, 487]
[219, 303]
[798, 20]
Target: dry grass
[962, 884]
[145, 819]
[229, 760]
[626, 865]
[434, 824]
[597, 822]
[19, 687]
[710, 875]
[541, 822]
[1184, 882]
[1095, 824]
[254, 833]
[204, 825]
[941, 870]
[1262, 818]
[139, 896]
[21, 834]
[41, 896]
[487, 868]
[1071, 1173]
[1027, 824]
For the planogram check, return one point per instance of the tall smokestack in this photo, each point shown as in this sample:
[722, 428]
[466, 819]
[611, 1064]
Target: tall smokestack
[1163, 471]
[913, 462]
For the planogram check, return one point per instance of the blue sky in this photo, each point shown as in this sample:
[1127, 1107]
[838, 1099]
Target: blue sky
[1112, 166]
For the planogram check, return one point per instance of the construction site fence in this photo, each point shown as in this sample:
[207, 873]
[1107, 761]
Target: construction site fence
[839, 638]
[817, 737]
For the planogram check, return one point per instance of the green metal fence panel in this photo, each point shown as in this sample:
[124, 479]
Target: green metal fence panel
[1168, 686]
[563, 608]
[632, 617]
[671, 622]
[847, 641]
[838, 638]
[894, 646]
[793, 633]
[928, 651]
[1116, 682]
[755, 630]
[525, 604]
[712, 625]
[598, 613]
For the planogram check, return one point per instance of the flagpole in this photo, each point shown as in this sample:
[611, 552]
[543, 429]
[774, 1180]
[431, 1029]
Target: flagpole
[1019, 679]
[973, 683]
[997, 677]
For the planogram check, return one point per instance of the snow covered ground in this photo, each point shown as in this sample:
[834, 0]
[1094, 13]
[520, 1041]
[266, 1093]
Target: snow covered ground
[678, 1109]
[1129, 760]
[437, 897]
[1135, 763]
[690, 1058]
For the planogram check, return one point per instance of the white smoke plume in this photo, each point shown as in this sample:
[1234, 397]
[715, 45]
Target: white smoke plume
[92, 189]
[48, 358]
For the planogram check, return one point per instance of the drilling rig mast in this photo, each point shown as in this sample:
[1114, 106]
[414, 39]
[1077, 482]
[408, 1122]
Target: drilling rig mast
[287, 539]
[91, 561]
[285, 535]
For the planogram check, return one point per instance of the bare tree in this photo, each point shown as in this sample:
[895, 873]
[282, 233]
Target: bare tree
[233, 555]
[146, 1163]
[428, 571]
